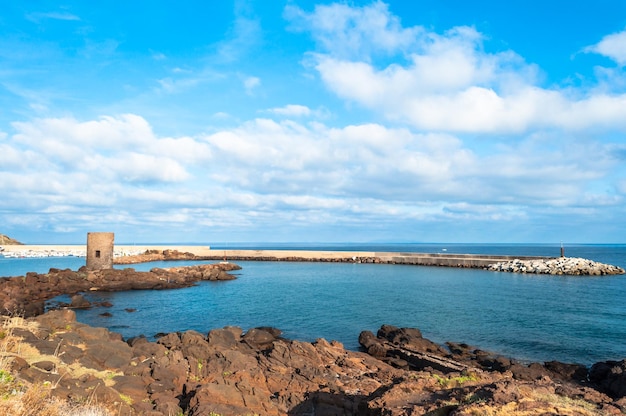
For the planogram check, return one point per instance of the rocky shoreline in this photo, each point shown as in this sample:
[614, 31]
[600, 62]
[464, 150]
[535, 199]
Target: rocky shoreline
[231, 372]
[26, 295]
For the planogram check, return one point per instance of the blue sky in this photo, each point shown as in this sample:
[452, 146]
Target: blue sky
[302, 121]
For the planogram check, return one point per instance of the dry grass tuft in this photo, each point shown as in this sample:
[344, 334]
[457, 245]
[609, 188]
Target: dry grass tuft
[19, 398]
[537, 405]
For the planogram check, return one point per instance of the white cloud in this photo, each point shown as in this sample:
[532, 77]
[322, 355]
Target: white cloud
[612, 46]
[467, 97]
[135, 167]
[159, 56]
[354, 31]
[108, 150]
[250, 84]
[172, 86]
[184, 79]
[292, 110]
[39, 16]
[107, 132]
[266, 172]
[448, 82]
[243, 35]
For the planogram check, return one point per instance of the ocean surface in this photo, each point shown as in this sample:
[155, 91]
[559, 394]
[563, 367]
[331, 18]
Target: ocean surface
[528, 317]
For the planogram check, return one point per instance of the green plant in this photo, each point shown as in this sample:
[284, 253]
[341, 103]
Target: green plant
[472, 398]
[447, 382]
[6, 377]
[126, 399]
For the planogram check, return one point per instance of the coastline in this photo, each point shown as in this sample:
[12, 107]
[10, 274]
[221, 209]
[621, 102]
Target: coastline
[230, 372]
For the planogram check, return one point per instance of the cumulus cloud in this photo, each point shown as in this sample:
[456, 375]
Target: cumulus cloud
[447, 81]
[373, 161]
[612, 46]
[121, 148]
[354, 31]
[277, 172]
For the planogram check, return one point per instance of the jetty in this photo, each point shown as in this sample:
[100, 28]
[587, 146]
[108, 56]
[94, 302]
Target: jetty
[130, 254]
[420, 259]
[206, 253]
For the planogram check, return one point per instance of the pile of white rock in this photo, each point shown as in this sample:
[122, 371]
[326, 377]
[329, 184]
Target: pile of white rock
[572, 266]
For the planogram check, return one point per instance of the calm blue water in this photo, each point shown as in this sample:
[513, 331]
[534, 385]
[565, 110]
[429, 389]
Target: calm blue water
[538, 318]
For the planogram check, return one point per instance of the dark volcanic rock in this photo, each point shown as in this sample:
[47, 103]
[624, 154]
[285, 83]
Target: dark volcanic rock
[610, 377]
[261, 338]
[230, 372]
[410, 338]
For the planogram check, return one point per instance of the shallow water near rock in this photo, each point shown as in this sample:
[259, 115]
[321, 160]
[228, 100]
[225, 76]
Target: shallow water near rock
[537, 318]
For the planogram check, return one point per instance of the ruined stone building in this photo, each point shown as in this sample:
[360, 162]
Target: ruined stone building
[99, 251]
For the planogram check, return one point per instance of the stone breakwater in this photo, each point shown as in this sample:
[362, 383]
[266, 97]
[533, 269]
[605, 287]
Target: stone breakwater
[572, 266]
[510, 264]
[514, 264]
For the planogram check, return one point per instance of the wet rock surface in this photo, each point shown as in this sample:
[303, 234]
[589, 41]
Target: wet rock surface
[230, 371]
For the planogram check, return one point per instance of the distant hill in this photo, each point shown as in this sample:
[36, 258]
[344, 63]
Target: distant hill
[7, 241]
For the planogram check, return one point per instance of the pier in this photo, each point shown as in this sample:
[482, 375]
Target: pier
[206, 253]
[421, 259]
[125, 254]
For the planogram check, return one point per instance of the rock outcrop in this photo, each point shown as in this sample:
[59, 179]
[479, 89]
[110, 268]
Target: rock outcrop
[8, 241]
[25, 295]
[610, 376]
[229, 372]
[558, 266]
[155, 255]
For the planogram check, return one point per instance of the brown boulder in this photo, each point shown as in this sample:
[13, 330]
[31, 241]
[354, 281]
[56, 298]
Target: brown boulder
[261, 338]
[79, 302]
[55, 320]
[564, 371]
[225, 338]
[410, 338]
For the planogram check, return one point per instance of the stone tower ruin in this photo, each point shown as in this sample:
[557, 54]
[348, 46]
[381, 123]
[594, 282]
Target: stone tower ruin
[99, 251]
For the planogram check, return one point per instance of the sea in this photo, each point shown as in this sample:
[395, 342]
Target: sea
[538, 318]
